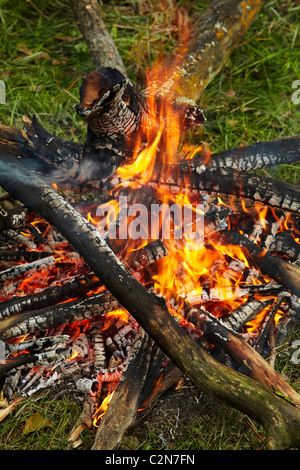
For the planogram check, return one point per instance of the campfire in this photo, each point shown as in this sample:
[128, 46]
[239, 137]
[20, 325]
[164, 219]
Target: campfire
[219, 248]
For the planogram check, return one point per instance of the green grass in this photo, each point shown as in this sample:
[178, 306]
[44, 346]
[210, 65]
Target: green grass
[58, 415]
[42, 60]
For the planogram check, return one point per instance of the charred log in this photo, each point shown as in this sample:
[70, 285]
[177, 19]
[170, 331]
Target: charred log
[37, 344]
[28, 256]
[31, 360]
[245, 313]
[12, 218]
[102, 48]
[71, 162]
[258, 188]
[17, 271]
[126, 400]
[113, 109]
[43, 149]
[262, 344]
[285, 244]
[19, 238]
[258, 155]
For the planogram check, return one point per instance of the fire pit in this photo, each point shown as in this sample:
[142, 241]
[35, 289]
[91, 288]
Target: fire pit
[188, 263]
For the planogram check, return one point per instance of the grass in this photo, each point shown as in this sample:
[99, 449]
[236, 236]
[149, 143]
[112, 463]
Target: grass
[42, 60]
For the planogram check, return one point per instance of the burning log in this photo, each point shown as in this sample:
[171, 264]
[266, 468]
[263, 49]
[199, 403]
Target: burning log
[256, 156]
[114, 111]
[245, 313]
[126, 404]
[249, 361]
[258, 188]
[268, 328]
[98, 346]
[17, 271]
[218, 31]
[193, 175]
[150, 311]
[36, 344]
[60, 372]
[65, 157]
[285, 244]
[30, 360]
[21, 239]
[29, 256]
[111, 115]
[145, 256]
